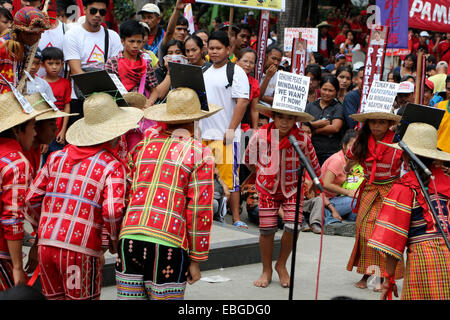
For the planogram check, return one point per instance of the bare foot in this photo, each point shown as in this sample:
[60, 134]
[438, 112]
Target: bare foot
[378, 286]
[264, 280]
[362, 284]
[283, 274]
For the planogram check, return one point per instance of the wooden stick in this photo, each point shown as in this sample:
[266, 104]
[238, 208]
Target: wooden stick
[418, 78]
[230, 27]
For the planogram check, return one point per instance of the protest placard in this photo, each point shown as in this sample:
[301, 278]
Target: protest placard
[309, 34]
[381, 96]
[299, 56]
[291, 92]
[272, 5]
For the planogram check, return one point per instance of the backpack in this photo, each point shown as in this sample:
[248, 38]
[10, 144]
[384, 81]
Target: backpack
[230, 72]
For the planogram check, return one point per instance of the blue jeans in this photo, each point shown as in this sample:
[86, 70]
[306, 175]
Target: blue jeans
[343, 205]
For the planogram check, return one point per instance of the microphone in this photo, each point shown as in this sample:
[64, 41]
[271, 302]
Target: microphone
[414, 157]
[305, 162]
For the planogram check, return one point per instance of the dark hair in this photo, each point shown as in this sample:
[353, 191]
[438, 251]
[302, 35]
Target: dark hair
[182, 21]
[432, 59]
[447, 80]
[196, 39]
[332, 80]
[173, 42]
[413, 57]
[200, 31]
[349, 135]
[218, 20]
[10, 133]
[343, 69]
[88, 2]
[52, 53]
[431, 67]
[6, 14]
[130, 28]
[315, 70]
[318, 58]
[244, 26]
[406, 78]
[247, 50]
[274, 47]
[220, 36]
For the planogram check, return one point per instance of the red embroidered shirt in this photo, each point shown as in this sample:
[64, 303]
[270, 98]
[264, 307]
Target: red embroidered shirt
[71, 203]
[15, 176]
[172, 192]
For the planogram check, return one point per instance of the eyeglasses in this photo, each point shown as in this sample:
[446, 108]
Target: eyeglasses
[94, 11]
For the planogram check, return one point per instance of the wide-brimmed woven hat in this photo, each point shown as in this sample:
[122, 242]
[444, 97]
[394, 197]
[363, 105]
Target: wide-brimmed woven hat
[362, 117]
[421, 139]
[39, 104]
[324, 24]
[12, 113]
[268, 111]
[135, 99]
[103, 121]
[183, 105]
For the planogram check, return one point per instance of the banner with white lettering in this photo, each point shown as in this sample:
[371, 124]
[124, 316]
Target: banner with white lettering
[381, 96]
[309, 34]
[262, 43]
[430, 15]
[299, 54]
[373, 68]
[291, 92]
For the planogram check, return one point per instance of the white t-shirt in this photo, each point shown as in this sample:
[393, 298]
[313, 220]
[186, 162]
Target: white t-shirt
[214, 127]
[89, 47]
[52, 38]
[270, 91]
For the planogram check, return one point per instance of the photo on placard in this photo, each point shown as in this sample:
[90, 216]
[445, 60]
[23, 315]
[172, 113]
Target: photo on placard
[378, 37]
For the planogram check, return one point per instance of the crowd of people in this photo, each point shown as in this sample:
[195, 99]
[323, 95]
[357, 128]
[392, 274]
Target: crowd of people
[146, 181]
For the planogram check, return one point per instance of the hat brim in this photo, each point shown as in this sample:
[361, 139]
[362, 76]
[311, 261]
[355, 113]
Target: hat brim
[268, 112]
[158, 113]
[427, 153]
[54, 115]
[15, 120]
[83, 134]
[362, 117]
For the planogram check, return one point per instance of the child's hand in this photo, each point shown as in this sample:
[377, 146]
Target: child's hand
[61, 137]
[44, 148]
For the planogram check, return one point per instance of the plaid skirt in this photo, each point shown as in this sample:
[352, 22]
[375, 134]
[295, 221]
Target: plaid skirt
[368, 260]
[427, 271]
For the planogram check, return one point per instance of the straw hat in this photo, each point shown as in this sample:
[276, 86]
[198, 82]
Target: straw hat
[421, 138]
[103, 121]
[135, 100]
[268, 111]
[11, 112]
[362, 117]
[324, 24]
[39, 104]
[183, 105]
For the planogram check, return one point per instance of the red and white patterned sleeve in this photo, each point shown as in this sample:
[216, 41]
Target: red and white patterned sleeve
[35, 196]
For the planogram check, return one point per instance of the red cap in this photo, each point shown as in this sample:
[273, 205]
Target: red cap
[429, 84]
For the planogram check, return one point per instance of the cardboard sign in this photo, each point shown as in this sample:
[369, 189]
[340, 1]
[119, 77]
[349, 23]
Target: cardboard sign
[26, 106]
[272, 5]
[381, 96]
[309, 34]
[99, 81]
[262, 44]
[118, 83]
[291, 92]
[373, 68]
[189, 76]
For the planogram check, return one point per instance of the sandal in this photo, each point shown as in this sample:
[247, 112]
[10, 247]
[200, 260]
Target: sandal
[240, 224]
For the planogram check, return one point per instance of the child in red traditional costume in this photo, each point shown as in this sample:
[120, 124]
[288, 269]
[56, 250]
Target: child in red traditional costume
[406, 222]
[382, 167]
[16, 136]
[78, 193]
[29, 23]
[276, 181]
[166, 230]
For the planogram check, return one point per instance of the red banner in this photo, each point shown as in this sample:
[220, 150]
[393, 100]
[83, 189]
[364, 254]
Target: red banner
[431, 15]
[262, 43]
[373, 68]
[299, 51]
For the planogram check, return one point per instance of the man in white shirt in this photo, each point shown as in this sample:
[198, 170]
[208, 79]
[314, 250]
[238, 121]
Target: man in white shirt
[84, 47]
[221, 132]
[52, 37]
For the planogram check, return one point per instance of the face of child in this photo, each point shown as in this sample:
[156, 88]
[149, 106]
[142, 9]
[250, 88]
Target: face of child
[262, 122]
[35, 66]
[25, 138]
[53, 67]
[284, 123]
[247, 62]
[379, 127]
[4, 24]
[46, 131]
[349, 145]
[133, 44]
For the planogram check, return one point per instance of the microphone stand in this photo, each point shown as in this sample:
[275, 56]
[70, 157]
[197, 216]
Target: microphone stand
[430, 204]
[300, 171]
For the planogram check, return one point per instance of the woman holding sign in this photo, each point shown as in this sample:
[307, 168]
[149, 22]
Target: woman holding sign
[381, 166]
[328, 121]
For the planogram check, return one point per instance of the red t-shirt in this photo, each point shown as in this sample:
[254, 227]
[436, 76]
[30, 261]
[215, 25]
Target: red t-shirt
[62, 90]
[442, 47]
[254, 88]
[340, 38]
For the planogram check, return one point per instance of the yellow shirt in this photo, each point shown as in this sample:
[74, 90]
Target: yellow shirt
[444, 128]
[439, 82]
